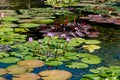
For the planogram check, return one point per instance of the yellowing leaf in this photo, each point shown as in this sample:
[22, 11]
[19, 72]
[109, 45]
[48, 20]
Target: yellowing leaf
[91, 48]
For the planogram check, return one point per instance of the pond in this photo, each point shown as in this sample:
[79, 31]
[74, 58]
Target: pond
[109, 53]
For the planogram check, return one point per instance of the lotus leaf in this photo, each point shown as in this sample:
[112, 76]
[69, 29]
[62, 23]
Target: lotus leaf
[91, 48]
[3, 54]
[44, 21]
[1, 78]
[77, 65]
[76, 41]
[54, 63]
[9, 60]
[55, 75]
[2, 71]
[92, 42]
[26, 76]
[10, 18]
[31, 63]
[28, 25]
[15, 69]
[93, 59]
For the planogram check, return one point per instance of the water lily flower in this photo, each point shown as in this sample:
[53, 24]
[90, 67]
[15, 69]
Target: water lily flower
[50, 34]
[91, 48]
[68, 39]
[30, 39]
[2, 15]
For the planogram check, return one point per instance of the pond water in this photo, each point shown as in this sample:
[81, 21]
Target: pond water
[109, 52]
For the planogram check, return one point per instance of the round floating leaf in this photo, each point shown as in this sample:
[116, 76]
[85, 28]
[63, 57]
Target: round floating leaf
[26, 76]
[91, 59]
[61, 59]
[54, 63]
[76, 41]
[30, 58]
[1, 78]
[10, 18]
[2, 71]
[100, 70]
[92, 42]
[77, 65]
[9, 60]
[82, 55]
[28, 25]
[44, 21]
[55, 75]
[31, 63]
[15, 69]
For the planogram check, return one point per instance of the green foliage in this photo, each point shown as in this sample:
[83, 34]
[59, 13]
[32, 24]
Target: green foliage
[103, 73]
[62, 3]
[10, 18]
[28, 25]
[9, 60]
[54, 63]
[44, 21]
[77, 65]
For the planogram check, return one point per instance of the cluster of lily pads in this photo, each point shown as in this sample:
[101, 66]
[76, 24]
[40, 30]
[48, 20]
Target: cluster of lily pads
[103, 73]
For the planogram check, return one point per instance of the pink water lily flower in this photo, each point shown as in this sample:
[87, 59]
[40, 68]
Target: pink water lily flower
[30, 39]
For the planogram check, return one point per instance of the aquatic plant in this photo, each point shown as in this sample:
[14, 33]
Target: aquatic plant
[15, 69]
[54, 63]
[10, 18]
[25, 76]
[102, 73]
[55, 75]
[77, 65]
[31, 63]
[9, 60]
[1, 78]
[28, 25]
[43, 21]
[70, 29]
[2, 71]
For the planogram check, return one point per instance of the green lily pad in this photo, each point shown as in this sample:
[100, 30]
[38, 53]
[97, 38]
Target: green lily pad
[77, 65]
[28, 25]
[54, 63]
[91, 59]
[10, 18]
[44, 21]
[92, 42]
[9, 60]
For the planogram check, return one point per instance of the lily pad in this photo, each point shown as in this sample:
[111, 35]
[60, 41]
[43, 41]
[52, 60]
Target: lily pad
[26, 76]
[31, 63]
[2, 71]
[91, 48]
[28, 25]
[9, 60]
[93, 59]
[92, 42]
[10, 18]
[55, 75]
[54, 63]
[44, 21]
[15, 69]
[77, 65]
[1, 78]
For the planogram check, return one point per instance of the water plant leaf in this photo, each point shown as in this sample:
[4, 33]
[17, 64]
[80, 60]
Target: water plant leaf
[91, 48]
[93, 59]
[44, 21]
[55, 75]
[29, 57]
[92, 42]
[10, 18]
[9, 60]
[15, 69]
[77, 65]
[3, 54]
[28, 25]
[54, 63]
[76, 41]
[2, 71]
[26, 76]
[31, 63]
[1, 78]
